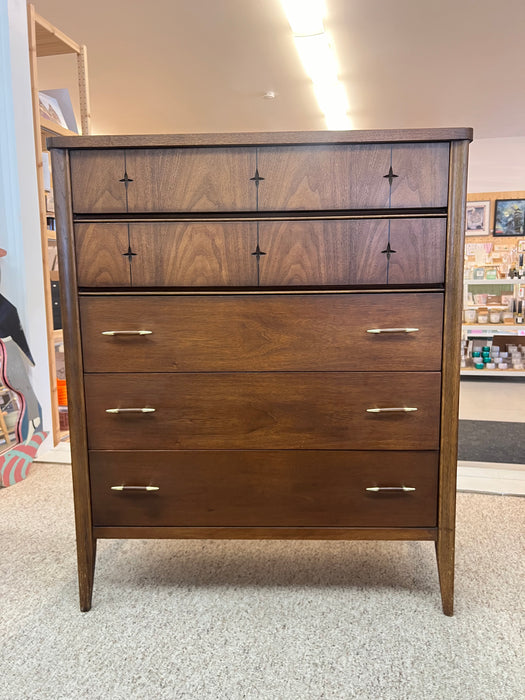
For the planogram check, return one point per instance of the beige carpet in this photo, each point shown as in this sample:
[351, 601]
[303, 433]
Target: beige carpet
[257, 620]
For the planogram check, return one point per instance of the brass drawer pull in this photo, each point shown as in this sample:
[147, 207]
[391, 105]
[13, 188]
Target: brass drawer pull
[134, 488]
[392, 330]
[130, 410]
[127, 332]
[378, 489]
[395, 409]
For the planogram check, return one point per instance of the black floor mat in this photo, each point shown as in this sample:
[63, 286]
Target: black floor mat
[491, 441]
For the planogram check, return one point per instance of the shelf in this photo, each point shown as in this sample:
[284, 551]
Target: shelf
[508, 373]
[513, 281]
[493, 329]
[50, 41]
[47, 40]
[499, 307]
[55, 129]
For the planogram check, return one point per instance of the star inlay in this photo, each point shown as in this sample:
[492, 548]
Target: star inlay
[129, 254]
[258, 252]
[390, 175]
[126, 179]
[257, 178]
[388, 250]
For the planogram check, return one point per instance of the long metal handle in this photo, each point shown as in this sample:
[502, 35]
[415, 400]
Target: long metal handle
[130, 410]
[134, 488]
[377, 489]
[392, 330]
[394, 409]
[127, 332]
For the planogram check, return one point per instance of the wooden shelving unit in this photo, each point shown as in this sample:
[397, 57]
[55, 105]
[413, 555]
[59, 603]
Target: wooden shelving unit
[46, 40]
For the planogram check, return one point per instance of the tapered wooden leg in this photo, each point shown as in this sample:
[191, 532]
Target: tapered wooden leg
[86, 554]
[445, 562]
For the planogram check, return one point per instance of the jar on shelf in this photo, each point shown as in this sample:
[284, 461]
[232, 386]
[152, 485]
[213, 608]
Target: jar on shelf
[470, 315]
[483, 315]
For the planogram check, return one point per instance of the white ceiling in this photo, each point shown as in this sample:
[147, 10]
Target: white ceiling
[170, 66]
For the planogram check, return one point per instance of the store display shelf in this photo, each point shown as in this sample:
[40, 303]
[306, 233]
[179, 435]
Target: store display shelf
[491, 306]
[492, 329]
[509, 280]
[493, 373]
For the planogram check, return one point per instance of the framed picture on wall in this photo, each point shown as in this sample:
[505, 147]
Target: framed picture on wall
[478, 218]
[509, 216]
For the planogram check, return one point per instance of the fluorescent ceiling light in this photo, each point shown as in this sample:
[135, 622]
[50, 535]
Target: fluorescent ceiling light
[305, 17]
[332, 100]
[318, 58]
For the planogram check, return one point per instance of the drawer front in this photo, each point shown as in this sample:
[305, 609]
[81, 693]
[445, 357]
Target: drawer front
[353, 176]
[163, 180]
[341, 253]
[293, 178]
[294, 253]
[252, 410]
[201, 254]
[264, 489]
[294, 332]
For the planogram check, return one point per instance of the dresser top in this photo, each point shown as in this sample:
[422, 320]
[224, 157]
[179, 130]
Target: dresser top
[256, 138]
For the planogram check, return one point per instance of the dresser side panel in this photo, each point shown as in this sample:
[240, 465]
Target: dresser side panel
[450, 373]
[74, 374]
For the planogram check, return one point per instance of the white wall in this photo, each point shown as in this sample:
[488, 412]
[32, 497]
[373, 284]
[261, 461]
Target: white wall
[497, 165]
[22, 278]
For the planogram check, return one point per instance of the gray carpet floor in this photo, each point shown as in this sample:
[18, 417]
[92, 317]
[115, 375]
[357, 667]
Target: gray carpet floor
[491, 441]
[208, 620]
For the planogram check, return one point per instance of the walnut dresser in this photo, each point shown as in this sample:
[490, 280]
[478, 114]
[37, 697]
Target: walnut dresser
[262, 335]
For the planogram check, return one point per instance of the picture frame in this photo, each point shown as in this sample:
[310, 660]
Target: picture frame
[61, 95]
[50, 109]
[509, 217]
[477, 220]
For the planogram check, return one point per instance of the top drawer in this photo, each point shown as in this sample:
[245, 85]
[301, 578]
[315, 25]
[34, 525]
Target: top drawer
[267, 178]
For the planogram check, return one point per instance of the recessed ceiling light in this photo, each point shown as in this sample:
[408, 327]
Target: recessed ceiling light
[270, 95]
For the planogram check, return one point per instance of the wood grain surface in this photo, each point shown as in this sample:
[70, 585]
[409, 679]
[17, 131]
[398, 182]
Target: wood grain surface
[86, 542]
[100, 255]
[420, 246]
[324, 177]
[422, 171]
[353, 176]
[257, 138]
[267, 533]
[315, 410]
[269, 488]
[191, 180]
[302, 253]
[296, 253]
[199, 254]
[302, 332]
[294, 178]
[95, 177]
[445, 545]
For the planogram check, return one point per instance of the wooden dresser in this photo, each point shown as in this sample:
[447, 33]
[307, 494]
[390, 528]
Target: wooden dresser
[262, 335]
